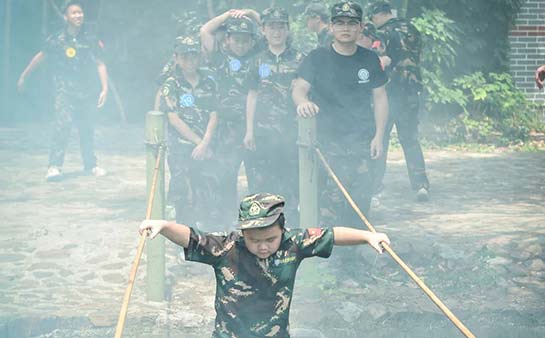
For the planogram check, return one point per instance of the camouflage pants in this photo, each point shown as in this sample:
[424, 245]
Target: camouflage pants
[273, 168]
[73, 110]
[193, 187]
[404, 115]
[349, 158]
[230, 155]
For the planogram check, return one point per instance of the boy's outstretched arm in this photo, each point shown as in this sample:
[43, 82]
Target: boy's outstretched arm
[177, 233]
[351, 236]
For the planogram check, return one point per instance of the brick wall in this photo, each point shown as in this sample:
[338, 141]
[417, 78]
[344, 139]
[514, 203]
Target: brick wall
[527, 41]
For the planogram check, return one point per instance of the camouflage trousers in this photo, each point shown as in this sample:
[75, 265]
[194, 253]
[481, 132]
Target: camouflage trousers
[72, 110]
[193, 187]
[404, 115]
[230, 156]
[349, 157]
[273, 167]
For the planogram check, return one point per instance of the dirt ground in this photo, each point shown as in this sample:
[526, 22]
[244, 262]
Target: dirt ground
[66, 249]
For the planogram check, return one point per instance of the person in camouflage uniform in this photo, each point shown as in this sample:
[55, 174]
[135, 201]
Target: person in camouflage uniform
[75, 56]
[189, 97]
[344, 87]
[231, 63]
[271, 126]
[255, 266]
[403, 44]
[317, 21]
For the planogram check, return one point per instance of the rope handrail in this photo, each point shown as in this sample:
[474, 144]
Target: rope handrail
[140, 249]
[396, 258]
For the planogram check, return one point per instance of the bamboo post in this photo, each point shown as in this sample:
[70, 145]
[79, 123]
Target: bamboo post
[308, 173]
[132, 276]
[155, 267]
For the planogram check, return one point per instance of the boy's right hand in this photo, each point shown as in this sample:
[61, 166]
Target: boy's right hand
[152, 227]
[376, 239]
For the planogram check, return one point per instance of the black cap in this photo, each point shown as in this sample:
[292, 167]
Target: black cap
[380, 7]
[316, 9]
[369, 30]
[275, 14]
[241, 25]
[186, 44]
[346, 9]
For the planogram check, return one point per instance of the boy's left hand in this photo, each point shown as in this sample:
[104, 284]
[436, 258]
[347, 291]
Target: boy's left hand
[376, 238]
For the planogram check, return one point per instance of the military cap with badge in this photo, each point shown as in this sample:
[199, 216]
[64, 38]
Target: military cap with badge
[241, 25]
[275, 14]
[347, 9]
[187, 44]
[260, 210]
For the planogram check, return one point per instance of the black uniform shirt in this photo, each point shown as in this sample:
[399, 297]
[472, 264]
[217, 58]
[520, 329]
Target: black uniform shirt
[342, 87]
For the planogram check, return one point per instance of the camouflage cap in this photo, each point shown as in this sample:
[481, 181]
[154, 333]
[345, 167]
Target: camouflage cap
[346, 9]
[260, 210]
[186, 44]
[379, 7]
[241, 25]
[275, 14]
[316, 9]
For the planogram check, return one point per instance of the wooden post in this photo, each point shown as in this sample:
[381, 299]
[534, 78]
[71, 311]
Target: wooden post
[155, 268]
[308, 173]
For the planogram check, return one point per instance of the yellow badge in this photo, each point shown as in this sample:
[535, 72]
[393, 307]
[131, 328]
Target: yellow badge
[70, 52]
[165, 91]
[254, 210]
[346, 8]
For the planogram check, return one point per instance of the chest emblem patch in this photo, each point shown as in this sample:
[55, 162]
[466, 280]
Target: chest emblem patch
[70, 52]
[363, 75]
[235, 65]
[187, 100]
[264, 71]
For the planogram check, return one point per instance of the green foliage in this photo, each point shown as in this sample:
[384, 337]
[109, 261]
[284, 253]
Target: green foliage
[496, 110]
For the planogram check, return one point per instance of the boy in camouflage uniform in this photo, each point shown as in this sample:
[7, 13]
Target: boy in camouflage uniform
[231, 66]
[271, 126]
[255, 266]
[76, 59]
[403, 45]
[189, 97]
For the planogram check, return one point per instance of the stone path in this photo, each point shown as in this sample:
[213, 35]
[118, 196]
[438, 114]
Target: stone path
[66, 250]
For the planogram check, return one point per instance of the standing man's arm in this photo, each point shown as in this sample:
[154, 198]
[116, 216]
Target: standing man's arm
[540, 76]
[103, 75]
[34, 63]
[299, 94]
[380, 100]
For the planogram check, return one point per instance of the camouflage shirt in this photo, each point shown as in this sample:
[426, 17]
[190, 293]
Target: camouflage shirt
[74, 61]
[403, 44]
[193, 105]
[274, 75]
[253, 295]
[232, 76]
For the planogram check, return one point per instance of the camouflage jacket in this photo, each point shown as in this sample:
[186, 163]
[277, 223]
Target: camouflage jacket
[192, 105]
[253, 295]
[403, 45]
[274, 75]
[73, 60]
[233, 77]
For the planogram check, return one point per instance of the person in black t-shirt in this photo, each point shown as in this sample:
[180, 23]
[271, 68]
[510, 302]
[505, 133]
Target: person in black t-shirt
[75, 58]
[341, 86]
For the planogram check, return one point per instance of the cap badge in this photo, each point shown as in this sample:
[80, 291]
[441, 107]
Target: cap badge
[255, 209]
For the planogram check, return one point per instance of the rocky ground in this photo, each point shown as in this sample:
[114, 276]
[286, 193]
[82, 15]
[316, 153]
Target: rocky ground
[66, 249]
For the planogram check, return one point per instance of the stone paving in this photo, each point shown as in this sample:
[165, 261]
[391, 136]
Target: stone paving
[66, 249]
